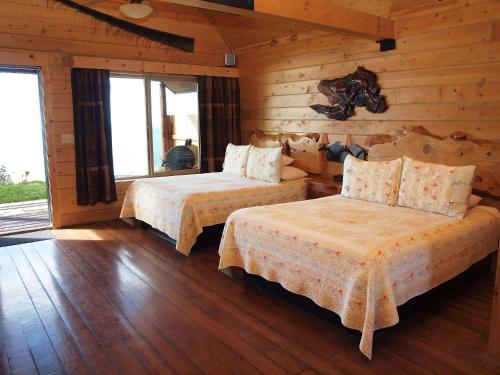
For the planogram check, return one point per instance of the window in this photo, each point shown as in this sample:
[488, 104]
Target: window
[149, 117]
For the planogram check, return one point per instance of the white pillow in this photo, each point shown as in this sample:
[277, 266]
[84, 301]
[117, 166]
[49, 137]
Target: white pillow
[474, 200]
[286, 160]
[291, 173]
[235, 161]
[374, 181]
[264, 164]
[436, 187]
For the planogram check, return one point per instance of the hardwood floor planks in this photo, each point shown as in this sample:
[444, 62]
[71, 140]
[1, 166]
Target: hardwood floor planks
[106, 299]
[4, 359]
[148, 324]
[202, 274]
[186, 333]
[194, 305]
[95, 355]
[204, 281]
[30, 334]
[82, 299]
[118, 333]
[63, 343]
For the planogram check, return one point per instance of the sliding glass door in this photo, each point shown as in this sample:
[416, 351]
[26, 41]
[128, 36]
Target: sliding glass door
[24, 198]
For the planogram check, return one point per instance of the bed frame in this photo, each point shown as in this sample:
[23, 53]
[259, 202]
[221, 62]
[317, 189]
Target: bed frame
[458, 151]
[304, 148]
[418, 144]
[421, 145]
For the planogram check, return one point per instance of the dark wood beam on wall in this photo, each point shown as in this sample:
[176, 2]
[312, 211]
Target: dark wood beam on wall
[321, 14]
[243, 4]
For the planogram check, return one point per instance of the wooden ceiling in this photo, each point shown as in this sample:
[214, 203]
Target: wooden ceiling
[232, 31]
[237, 32]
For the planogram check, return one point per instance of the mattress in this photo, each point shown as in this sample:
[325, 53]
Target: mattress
[357, 258]
[181, 206]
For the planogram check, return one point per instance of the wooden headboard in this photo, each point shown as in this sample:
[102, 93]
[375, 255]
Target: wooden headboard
[448, 151]
[304, 148]
[419, 144]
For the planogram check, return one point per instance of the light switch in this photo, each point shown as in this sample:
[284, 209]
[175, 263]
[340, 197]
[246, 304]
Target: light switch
[67, 138]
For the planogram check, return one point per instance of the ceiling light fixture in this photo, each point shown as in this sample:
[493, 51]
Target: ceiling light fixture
[136, 9]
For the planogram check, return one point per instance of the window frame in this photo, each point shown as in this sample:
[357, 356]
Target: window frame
[149, 125]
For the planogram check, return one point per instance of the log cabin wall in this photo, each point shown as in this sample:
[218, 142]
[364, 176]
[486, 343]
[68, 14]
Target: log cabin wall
[444, 74]
[37, 33]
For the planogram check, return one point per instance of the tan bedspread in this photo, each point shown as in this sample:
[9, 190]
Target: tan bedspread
[181, 206]
[357, 258]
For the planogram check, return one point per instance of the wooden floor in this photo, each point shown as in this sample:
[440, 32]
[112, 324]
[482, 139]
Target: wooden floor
[107, 299]
[24, 216]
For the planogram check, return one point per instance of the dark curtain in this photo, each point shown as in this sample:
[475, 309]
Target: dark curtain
[95, 181]
[219, 111]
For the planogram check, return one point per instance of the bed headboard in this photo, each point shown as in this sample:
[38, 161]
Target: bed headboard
[304, 148]
[426, 147]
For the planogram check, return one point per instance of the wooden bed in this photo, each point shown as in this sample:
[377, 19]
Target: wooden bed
[181, 206]
[362, 259]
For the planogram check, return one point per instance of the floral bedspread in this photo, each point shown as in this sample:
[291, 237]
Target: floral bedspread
[357, 258]
[181, 206]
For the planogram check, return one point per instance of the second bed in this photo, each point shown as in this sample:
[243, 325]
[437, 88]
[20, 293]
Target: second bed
[357, 258]
[180, 206]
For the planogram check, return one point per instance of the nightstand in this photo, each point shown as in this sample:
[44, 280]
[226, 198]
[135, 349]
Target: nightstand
[319, 186]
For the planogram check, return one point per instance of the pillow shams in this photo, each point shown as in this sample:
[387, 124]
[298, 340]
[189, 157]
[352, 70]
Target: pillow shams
[435, 187]
[264, 164]
[235, 161]
[374, 181]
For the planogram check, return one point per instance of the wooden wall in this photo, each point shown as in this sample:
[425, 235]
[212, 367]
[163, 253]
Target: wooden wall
[36, 25]
[444, 75]
[33, 33]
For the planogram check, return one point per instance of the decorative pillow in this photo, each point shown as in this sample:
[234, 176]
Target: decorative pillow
[286, 160]
[264, 164]
[435, 187]
[374, 181]
[474, 200]
[235, 161]
[291, 173]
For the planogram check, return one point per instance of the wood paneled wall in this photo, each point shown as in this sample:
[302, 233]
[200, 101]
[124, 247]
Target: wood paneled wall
[444, 75]
[38, 33]
[48, 26]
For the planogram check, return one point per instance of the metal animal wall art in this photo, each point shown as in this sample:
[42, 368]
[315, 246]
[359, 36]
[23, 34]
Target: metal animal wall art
[358, 89]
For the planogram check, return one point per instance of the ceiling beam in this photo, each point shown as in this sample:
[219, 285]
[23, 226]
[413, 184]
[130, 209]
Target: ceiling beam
[321, 14]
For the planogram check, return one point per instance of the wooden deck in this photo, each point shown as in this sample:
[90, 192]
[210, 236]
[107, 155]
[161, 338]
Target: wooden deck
[24, 216]
[109, 299]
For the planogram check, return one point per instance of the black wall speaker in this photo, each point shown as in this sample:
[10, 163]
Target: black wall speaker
[387, 44]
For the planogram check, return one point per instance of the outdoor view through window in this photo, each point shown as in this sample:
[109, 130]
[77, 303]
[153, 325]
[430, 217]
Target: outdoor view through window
[23, 188]
[21, 126]
[150, 117]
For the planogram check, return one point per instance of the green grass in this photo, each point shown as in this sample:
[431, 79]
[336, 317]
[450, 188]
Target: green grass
[25, 191]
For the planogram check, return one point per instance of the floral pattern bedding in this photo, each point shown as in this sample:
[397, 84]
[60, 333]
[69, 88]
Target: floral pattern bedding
[235, 160]
[359, 259]
[264, 164]
[374, 181]
[435, 187]
[181, 206]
